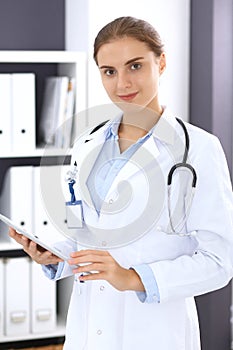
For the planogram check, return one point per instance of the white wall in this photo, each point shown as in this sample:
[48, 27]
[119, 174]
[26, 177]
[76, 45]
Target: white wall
[170, 17]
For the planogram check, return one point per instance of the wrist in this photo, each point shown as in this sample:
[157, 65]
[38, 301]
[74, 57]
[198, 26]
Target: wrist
[134, 281]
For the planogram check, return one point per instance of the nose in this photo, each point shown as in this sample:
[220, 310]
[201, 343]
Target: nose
[123, 81]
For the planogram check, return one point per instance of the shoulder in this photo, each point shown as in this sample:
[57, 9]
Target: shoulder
[206, 150]
[201, 139]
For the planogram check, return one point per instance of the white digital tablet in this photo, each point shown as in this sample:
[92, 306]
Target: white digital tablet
[57, 244]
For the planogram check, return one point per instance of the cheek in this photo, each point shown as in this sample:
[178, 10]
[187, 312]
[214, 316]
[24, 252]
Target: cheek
[108, 86]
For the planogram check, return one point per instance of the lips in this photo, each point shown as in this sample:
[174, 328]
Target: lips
[128, 97]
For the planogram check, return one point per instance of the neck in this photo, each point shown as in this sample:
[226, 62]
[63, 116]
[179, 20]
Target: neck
[136, 124]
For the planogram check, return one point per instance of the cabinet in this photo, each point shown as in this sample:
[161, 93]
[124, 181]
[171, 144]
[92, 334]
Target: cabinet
[43, 64]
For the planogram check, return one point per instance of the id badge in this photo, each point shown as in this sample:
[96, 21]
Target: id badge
[74, 214]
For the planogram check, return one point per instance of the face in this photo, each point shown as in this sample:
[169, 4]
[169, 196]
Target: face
[130, 72]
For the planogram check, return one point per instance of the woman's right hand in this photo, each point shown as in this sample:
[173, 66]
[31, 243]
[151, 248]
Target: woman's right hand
[36, 252]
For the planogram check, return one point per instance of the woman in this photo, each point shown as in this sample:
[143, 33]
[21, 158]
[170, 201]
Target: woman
[139, 293]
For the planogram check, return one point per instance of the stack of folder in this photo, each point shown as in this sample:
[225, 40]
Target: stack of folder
[56, 120]
[27, 297]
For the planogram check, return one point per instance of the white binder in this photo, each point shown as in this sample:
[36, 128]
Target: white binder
[49, 202]
[5, 113]
[16, 198]
[43, 290]
[43, 301]
[23, 112]
[17, 296]
[1, 298]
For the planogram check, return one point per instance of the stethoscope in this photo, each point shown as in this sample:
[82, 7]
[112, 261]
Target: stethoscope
[183, 164]
[190, 168]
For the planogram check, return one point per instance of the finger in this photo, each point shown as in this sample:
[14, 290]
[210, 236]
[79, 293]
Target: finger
[33, 247]
[89, 252]
[92, 277]
[11, 232]
[53, 259]
[16, 236]
[90, 268]
[90, 258]
[48, 255]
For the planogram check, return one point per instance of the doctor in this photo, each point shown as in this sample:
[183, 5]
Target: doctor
[157, 249]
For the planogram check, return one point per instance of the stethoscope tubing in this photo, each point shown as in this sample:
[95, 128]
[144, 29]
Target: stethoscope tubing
[176, 166]
[184, 163]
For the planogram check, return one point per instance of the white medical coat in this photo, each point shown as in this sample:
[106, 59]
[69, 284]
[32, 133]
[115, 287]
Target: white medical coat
[102, 318]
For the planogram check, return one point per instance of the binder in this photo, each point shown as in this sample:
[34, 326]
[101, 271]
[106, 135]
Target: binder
[17, 296]
[53, 110]
[16, 198]
[5, 113]
[23, 112]
[43, 290]
[1, 298]
[49, 202]
[48, 111]
[43, 301]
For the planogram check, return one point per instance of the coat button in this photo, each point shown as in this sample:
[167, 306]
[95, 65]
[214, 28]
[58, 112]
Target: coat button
[102, 288]
[110, 201]
[99, 332]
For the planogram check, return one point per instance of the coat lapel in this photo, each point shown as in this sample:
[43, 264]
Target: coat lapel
[88, 154]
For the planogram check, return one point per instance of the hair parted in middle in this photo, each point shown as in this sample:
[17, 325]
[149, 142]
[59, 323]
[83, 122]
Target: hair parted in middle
[129, 27]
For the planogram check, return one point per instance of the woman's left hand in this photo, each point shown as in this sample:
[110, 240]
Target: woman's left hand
[102, 266]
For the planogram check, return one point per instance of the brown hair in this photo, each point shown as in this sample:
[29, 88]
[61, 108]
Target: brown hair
[129, 27]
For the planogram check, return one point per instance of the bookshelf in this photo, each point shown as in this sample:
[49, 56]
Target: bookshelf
[43, 64]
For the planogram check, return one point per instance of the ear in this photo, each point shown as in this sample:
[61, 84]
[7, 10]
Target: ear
[162, 63]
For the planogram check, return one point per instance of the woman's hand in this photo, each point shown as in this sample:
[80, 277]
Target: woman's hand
[104, 267]
[36, 252]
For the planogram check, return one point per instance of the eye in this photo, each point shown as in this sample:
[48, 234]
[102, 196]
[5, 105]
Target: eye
[109, 72]
[135, 66]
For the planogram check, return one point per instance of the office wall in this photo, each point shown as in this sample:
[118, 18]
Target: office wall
[32, 24]
[211, 107]
[211, 74]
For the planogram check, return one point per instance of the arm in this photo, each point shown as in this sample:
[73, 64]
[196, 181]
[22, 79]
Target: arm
[211, 216]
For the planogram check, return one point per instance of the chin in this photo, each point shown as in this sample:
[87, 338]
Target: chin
[130, 107]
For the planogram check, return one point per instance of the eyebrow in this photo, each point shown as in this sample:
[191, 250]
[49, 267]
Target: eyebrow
[128, 62]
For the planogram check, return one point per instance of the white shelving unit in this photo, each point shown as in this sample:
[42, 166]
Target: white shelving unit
[72, 64]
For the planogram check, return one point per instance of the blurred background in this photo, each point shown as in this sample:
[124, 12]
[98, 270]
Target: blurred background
[197, 85]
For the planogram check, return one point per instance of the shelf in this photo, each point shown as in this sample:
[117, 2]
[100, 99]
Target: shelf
[38, 152]
[34, 160]
[49, 63]
[11, 250]
[42, 64]
[58, 332]
[41, 56]
[35, 343]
